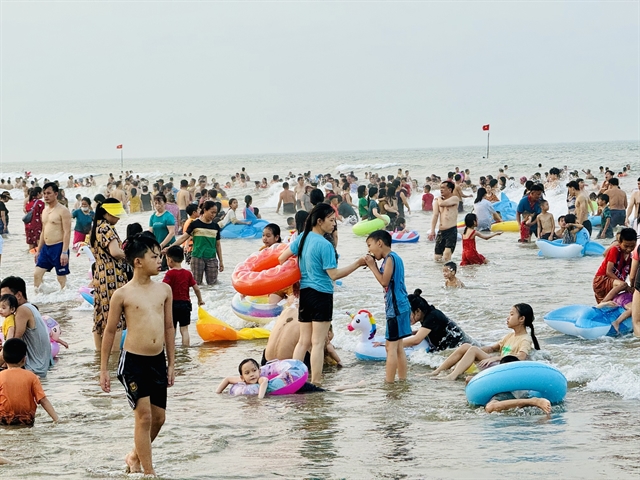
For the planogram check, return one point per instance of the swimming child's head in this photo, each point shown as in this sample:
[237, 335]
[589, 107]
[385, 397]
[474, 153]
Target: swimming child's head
[450, 267]
[401, 223]
[14, 351]
[570, 218]
[522, 314]
[143, 251]
[470, 220]
[291, 222]
[271, 234]
[379, 243]
[249, 371]
[8, 305]
[176, 255]
[248, 200]
[561, 221]
[233, 203]
[427, 188]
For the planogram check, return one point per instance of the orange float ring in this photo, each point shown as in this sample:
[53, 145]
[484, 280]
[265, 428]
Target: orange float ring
[262, 274]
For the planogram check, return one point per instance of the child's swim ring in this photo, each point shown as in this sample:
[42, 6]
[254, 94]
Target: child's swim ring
[255, 309]
[540, 379]
[510, 226]
[405, 237]
[285, 377]
[365, 227]
[87, 294]
[262, 274]
[54, 334]
[364, 323]
[587, 321]
[558, 250]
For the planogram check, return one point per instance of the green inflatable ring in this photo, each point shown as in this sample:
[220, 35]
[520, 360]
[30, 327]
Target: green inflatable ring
[365, 227]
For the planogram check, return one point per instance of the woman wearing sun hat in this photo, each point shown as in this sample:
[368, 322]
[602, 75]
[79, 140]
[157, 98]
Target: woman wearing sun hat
[109, 269]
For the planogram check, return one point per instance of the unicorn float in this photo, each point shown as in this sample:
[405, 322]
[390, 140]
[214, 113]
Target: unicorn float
[364, 323]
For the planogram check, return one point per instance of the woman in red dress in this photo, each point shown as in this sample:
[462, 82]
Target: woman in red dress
[470, 255]
[33, 229]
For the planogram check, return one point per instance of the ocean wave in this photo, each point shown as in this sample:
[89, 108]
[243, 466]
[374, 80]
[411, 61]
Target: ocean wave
[361, 166]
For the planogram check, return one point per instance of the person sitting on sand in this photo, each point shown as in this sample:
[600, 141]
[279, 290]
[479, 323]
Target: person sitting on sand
[517, 343]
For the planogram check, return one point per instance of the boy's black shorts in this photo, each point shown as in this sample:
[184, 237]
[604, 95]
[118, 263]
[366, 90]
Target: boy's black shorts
[181, 313]
[144, 376]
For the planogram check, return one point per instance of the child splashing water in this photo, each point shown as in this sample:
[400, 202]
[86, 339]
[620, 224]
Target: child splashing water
[517, 343]
[470, 255]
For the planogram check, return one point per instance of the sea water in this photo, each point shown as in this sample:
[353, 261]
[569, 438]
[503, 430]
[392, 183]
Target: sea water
[419, 429]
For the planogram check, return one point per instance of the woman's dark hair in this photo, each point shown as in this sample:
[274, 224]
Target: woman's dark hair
[391, 192]
[275, 229]
[469, 220]
[509, 359]
[480, 194]
[99, 216]
[316, 196]
[134, 229]
[160, 197]
[319, 212]
[525, 310]
[381, 235]
[244, 362]
[231, 200]
[493, 182]
[191, 208]
[138, 245]
[208, 205]
[300, 218]
[34, 192]
[401, 221]
[419, 303]
[134, 192]
[372, 191]
[345, 186]
[361, 191]
[87, 200]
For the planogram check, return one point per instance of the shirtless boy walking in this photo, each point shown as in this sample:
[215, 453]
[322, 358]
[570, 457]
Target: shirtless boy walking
[53, 247]
[142, 369]
[445, 209]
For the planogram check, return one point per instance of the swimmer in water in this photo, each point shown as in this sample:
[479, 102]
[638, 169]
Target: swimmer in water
[249, 371]
[449, 271]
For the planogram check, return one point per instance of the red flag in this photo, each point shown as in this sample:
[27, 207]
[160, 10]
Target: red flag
[484, 127]
[120, 146]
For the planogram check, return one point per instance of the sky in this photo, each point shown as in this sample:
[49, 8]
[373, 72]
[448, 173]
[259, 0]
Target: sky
[167, 79]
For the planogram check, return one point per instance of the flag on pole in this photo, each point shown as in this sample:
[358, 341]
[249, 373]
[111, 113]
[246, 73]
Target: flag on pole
[484, 127]
[120, 146]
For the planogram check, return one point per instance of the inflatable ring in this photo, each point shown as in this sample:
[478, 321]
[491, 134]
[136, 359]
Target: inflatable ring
[586, 321]
[53, 328]
[262, 274]
[405, 237]
[255, 309]
[285, 377]
[558, 250]
[510, 226]
[541, 379]
[365, 227]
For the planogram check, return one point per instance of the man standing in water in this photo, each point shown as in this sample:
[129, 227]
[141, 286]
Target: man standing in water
[53, 247]
[445, 208]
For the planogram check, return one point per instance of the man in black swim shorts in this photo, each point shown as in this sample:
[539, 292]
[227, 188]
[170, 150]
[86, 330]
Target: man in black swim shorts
[445, 209]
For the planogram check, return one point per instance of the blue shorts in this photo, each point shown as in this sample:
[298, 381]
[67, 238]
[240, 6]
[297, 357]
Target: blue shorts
[398, 327]
[49, 257]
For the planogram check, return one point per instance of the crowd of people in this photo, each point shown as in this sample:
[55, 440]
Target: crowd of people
[185, 223]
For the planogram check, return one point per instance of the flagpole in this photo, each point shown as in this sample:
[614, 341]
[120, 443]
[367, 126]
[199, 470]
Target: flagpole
[122, 159]
[487, 144]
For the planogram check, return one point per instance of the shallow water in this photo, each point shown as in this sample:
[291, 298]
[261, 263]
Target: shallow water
[420, 429]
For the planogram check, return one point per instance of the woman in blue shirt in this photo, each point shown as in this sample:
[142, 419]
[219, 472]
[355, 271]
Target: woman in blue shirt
[319, 269]
[162, 224]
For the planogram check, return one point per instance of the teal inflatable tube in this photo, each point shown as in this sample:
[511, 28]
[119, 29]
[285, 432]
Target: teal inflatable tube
[586, 321]
[245, 231]
[540, 379]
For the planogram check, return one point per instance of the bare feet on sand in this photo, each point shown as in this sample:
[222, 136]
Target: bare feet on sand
[133, 463]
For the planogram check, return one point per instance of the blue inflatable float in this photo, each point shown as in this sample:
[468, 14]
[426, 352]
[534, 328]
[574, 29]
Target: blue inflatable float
[540, 379]
[586, 321]
[254, 230]
[506, 207]
[583, 247]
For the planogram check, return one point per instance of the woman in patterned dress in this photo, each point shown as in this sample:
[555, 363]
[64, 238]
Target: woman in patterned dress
[109, 269]
[33, 229]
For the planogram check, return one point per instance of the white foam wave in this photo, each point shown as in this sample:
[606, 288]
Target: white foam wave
[361, 166]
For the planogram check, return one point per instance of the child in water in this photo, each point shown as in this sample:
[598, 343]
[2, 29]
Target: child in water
[546, 223]
[449, 271]
[8, 307]
[397, 307]
[517, 343]
[249, 371]
[270, 235]
[470, 255]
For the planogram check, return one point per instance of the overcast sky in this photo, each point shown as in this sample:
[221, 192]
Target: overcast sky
[174, 78]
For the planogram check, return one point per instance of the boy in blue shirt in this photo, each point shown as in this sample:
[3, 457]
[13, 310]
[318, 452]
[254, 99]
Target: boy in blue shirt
[397, 306]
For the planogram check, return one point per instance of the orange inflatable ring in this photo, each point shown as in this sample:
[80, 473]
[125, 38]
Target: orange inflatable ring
[262, 274]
